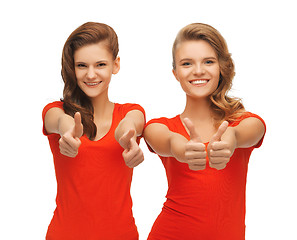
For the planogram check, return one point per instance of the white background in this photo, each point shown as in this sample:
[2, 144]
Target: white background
[261, 36]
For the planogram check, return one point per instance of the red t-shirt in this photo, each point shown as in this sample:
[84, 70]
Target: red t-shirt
[93, 189]
[207, 204]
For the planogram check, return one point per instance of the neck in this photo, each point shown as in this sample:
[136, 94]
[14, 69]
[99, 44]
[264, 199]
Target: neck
[198, 109]
[101, 105]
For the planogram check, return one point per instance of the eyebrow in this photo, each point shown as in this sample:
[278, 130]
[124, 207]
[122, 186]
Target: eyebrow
[211, 58]
[185, 59]
[100, 61]
[190, 59]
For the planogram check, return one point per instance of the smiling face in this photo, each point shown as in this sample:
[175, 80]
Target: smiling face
[197, 68]
[94, 66]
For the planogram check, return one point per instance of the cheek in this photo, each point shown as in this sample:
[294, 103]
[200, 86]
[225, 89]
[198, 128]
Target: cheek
[217, 74]
[78, 75]
[183, 75]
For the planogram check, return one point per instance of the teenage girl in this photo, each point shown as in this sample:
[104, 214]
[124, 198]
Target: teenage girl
[94, 142]
[205, 150]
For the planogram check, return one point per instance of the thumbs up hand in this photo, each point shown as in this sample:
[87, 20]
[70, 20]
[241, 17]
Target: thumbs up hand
[69, 141]
[195, 151]
[132, 153]
[220, 150]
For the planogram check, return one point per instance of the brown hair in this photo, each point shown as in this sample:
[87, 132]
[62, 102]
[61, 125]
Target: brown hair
[74, 99]
[223, 106]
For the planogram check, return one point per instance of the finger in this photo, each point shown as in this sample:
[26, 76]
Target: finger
[194, 146]
[135, 161]
[129, 154]
[68, 153]
[133, 158]
[78, 127]
[216, 146]
[218, 160]
[197, 162]
[196, 167]
[222, 129]
[195, 155]
[63, 145]
[220, 153]
[65, 149]
[193, 134]
[71, 142]
[218, 166]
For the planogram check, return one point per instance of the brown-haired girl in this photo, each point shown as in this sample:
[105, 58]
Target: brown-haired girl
[206, 149]
[94, 142]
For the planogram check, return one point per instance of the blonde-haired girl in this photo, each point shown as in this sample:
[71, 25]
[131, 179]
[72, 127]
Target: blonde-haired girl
[205, 150]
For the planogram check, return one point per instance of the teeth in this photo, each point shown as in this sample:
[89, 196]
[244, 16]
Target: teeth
[92, 84]
[199, 81]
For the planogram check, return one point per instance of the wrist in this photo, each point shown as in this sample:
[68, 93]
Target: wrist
[178, 147]
[231, 136]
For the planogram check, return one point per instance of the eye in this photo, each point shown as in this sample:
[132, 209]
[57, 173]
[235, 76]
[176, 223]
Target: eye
[101, 64]
[81, 65]
[186, 64]
[209, 61]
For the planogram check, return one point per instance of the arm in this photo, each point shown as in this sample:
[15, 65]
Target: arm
[223, 144]
[165, 142]
[170, 144]
[134, 120]
[70, 130]
[56, 121]
[126, 133]
[249, 132]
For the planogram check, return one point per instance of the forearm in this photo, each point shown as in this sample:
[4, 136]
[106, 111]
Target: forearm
[248, 133]
[56, 121]
[134, 120]
[65, 123]
[165, 142]
[230, 137]
[124, 126]
[177, 147]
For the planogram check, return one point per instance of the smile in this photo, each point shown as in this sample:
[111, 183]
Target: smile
[199, 82]
[92, 84]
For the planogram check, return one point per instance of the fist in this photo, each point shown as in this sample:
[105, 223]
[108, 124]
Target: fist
[70, 142]
[195, 151]
[132, 153]
[219, 151]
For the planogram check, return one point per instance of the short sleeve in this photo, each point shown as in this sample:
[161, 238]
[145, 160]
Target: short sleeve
[57, 104]
[125, 108]
[130, 107]
[162, 120]
[248, 115]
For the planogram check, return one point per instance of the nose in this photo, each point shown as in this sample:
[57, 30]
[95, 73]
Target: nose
[91, 74]
[198, 69]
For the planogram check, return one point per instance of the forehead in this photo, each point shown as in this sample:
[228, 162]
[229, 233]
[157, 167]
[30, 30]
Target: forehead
[94, 51]
[195, 49]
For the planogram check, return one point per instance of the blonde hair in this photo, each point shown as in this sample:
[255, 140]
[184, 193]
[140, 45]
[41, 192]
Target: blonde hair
[223, 106]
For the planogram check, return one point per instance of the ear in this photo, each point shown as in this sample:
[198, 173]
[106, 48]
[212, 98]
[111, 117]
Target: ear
[175, 74]
[116, 66]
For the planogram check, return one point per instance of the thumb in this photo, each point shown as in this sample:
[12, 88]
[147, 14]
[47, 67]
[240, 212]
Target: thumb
[126, 139]
[193, 134]
[132, 144]
[221, 130]
[78, 127]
